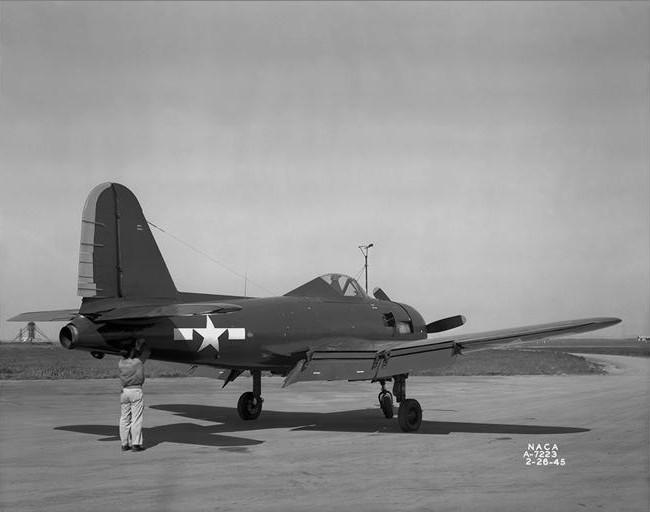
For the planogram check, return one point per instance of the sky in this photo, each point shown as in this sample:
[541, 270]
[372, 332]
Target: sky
[496, 154]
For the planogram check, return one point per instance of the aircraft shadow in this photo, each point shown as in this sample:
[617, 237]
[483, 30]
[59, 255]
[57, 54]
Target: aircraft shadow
[362, 420]
[184, 433]
[227, 422]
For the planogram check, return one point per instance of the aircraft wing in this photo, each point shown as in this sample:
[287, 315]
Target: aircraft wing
[60, 315]
[395, 358]
[135, 312]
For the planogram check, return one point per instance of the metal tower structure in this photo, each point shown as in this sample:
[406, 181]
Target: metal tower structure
[31, 334]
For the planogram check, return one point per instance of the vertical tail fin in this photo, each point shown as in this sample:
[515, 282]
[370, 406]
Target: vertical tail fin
[119, 256]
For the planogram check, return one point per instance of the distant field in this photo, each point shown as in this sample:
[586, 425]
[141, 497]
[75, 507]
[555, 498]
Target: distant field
[619, 347]
[22, 361]
[518, 362]
[51, 361]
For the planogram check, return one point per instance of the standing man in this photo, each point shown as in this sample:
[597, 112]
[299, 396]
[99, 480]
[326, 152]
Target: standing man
[131, 368]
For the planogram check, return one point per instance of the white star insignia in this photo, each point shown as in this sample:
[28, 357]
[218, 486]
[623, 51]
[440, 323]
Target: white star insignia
[209, 333]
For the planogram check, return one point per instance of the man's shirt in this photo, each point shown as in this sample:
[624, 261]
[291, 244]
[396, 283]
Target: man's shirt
[132, 370]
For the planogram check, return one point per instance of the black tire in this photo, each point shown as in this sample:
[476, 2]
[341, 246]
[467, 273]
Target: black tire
[386, 404]
[409, 415]
[249, 407]
[381, 395]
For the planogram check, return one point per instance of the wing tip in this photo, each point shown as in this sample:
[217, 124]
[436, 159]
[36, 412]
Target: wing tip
[607, 321]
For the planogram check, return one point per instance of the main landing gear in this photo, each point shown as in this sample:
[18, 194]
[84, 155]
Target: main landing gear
[409, 415]
[249, 405]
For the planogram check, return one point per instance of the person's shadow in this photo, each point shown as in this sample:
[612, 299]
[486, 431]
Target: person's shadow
[227, 422]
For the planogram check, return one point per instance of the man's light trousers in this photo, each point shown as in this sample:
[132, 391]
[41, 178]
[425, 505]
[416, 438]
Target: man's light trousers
[132, 406]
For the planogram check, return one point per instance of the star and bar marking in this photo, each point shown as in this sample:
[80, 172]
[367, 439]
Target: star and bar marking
[209, 335]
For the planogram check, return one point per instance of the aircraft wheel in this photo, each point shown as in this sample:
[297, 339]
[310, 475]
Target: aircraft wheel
[382, 393]
[409, 415]
[249, 406]
[386, 403]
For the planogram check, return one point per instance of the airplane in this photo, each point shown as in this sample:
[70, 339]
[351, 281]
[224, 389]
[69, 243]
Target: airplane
[327, 329]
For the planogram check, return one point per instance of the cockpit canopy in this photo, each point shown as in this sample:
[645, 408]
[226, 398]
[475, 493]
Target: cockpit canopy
[330, 286]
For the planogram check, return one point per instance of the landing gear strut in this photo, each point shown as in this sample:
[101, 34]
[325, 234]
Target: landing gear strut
[409, 415]
[249, 405]
[385, 400]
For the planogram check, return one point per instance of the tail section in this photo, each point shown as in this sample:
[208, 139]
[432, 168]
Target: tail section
[119, 256]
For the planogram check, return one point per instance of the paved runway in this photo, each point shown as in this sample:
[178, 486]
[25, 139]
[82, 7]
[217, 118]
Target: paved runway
[327, 446]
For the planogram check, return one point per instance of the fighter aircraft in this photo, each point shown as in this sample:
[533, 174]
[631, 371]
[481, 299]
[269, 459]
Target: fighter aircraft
[326, 329]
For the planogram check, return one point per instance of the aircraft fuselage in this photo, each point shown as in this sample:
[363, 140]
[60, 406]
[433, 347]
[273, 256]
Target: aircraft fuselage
[268, 333]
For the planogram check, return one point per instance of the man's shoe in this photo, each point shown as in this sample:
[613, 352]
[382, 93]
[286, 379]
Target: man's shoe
[138, 448]
[125, 447]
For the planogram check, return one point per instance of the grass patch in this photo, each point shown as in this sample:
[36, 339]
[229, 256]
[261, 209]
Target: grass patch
[607, 346]
[517, 362]
[24, 361]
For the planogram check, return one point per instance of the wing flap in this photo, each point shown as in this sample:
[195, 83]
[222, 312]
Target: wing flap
[334, 365]
[409, 360]
[59, 315]
[370, 365]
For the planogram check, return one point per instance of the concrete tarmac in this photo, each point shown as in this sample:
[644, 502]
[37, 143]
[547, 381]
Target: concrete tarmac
[326, 446]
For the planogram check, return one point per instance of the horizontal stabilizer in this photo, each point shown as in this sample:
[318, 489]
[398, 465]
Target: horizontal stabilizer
[158, 311]
[59, 315]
